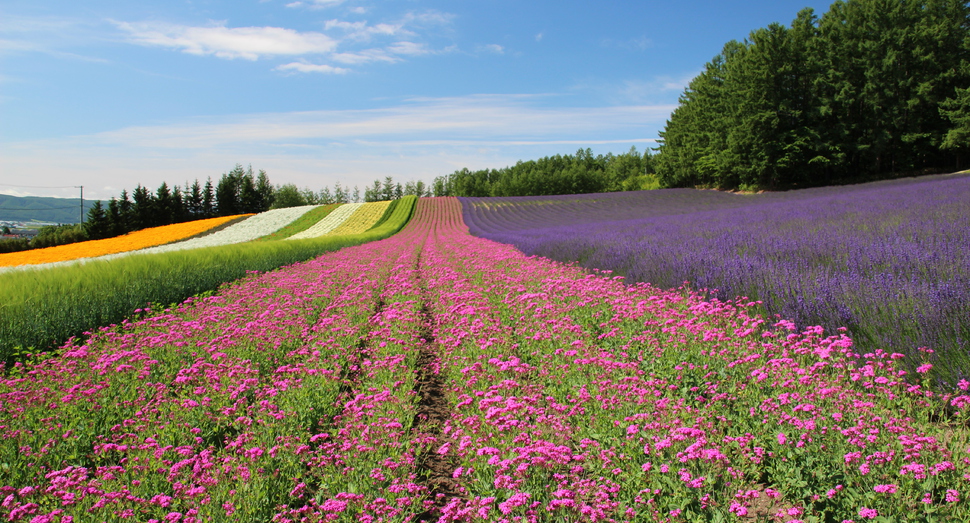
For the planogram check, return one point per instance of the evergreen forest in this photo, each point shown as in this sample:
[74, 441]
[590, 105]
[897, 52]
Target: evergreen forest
[872, 89]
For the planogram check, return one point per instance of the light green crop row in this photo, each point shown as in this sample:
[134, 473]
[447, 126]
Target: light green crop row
[40, 309]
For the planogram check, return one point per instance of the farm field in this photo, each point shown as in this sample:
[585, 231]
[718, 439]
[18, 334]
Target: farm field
[365, 217]
[128, 242]
[302, 223]
[42, 308]
[329, 223]
[434, 375]
[887, 260]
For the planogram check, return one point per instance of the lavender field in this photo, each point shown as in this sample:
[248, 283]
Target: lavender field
[889, 261]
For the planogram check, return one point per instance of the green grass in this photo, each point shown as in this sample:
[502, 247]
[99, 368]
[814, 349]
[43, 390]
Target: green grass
[301, 224]
[41, 309]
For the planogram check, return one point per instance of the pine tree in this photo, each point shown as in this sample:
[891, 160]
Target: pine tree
[126, 210]
[116, 226]
[339, 193]
[142, 209]
[265, 190]
[97, 225]
[208, 200]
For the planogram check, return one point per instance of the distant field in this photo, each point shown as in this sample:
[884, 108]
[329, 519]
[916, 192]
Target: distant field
[888, 260]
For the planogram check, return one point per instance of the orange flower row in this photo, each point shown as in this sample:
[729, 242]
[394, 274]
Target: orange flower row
[129, 242]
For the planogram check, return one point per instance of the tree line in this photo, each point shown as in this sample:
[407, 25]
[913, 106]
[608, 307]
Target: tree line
[559, 174]
[239, 191]
[872, 89]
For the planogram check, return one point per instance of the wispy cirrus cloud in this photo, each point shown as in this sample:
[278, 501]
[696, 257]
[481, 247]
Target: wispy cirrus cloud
[418, 137]
[362, 31]
[492, 48]
[249, 43]
[304, 67]
[50, 35]
[315, 4]
[338, 43]
[491, 118]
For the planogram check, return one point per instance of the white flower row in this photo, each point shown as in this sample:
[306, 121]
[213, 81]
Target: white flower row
[249, 229]
[329, 223]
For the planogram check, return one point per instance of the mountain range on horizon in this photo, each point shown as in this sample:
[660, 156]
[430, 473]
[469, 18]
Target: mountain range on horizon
[42, 209]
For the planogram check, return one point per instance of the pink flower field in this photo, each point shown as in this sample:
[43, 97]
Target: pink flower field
[435, 376]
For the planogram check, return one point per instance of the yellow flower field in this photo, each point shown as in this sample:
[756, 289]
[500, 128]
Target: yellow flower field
[363, 219]
[129, 242]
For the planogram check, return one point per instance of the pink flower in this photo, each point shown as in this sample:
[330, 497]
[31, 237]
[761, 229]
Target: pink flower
[738, 509]
[869, 513]
[517, 500]
[886, 489]
[924, 368]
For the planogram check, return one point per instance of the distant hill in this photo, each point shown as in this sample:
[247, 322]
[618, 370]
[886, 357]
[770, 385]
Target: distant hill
[42, 208]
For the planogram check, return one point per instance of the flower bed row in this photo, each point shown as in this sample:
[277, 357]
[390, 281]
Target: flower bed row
[365, 217]
[129, 242]
[302, 223]
[329, 223]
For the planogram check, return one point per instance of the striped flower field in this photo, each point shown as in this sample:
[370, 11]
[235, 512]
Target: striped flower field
[129, 242]
[436, 376]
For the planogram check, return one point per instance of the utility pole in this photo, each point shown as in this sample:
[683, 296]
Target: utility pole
[81, 215]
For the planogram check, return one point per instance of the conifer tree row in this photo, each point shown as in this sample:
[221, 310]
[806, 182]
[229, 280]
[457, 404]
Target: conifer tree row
[872, 89]
[559, 174]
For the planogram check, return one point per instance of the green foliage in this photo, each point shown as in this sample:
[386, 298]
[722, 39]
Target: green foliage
[42, 308]
[54, 235]
[97, 225]
[957, 111]
[570, 174]
[872, 89]
[288, 195]
[14, 245]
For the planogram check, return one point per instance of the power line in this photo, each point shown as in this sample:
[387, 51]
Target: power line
[42, 209]
[40, 186]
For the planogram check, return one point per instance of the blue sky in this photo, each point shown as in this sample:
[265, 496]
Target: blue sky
[109, 93]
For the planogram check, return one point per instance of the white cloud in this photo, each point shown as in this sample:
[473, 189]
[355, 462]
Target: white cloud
[415, 139]
[409, 49]
[418, 138]
[304, 67]
[48, 35]
[363, 57]
[340, 41]
[249, 43]
[492, 48]
[643, 90]
[539, 37]
[315, 4]
[360, 31]
[479, 117]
